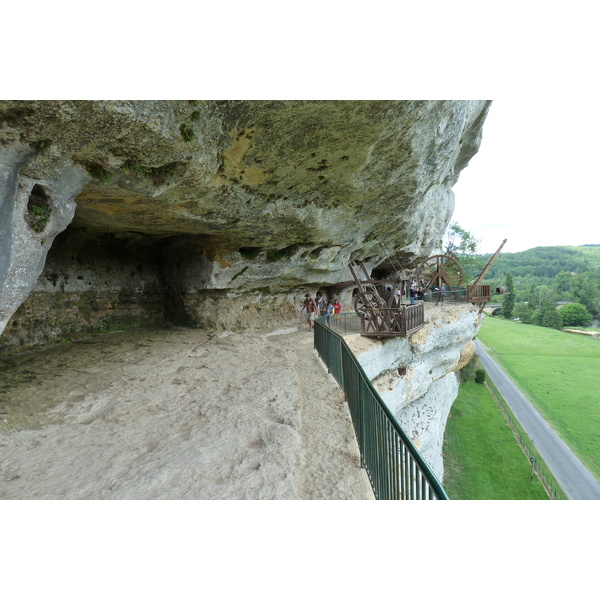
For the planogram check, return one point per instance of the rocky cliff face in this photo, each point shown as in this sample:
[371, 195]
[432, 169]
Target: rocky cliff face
[421, 398]
[217, 214]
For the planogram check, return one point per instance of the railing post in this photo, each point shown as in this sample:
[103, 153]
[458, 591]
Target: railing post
[361, 427]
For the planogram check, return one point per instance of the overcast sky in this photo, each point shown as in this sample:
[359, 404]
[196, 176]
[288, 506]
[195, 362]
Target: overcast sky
[533, 180]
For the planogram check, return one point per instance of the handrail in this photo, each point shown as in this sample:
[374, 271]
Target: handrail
[456, 296]
[475, 294]
[396, 469]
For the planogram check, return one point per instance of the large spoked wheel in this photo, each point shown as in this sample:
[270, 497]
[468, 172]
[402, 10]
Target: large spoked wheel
[439, 270]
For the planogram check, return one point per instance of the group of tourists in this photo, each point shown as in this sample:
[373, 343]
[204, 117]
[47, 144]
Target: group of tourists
[413, 292]
[318, 306]
[416, 293]
[331, 307]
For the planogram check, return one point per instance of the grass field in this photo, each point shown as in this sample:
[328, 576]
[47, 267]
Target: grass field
[560, 373]
[482, 460]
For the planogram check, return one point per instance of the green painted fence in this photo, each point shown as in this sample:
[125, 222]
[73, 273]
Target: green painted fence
[396, 469]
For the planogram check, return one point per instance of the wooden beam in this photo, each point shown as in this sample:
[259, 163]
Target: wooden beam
[487, 267]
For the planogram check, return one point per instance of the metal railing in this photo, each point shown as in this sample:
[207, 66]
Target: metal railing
[396, 469]
[458, 296]
[472, 293]
[344, 323]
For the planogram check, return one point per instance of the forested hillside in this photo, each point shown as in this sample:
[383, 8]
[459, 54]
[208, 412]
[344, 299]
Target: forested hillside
[544, 276]
[538, 265]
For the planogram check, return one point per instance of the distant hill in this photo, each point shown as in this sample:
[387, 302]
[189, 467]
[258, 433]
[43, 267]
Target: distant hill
[544, 262]
[591, 253]
[541, 274]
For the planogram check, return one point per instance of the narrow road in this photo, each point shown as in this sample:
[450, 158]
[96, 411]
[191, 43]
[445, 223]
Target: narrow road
[577, 482]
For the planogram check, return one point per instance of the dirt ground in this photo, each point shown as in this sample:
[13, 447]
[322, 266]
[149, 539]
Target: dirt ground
[176, 414]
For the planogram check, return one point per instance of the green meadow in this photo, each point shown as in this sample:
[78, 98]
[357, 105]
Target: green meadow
[560, 373]
[482, 460]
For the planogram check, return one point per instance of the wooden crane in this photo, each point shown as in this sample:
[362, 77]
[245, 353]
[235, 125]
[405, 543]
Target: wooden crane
[490, 262]
[482, 294]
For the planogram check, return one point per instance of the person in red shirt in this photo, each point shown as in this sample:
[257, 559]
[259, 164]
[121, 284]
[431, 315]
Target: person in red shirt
[337, 309]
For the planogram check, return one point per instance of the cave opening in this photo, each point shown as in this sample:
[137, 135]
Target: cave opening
[39, 208]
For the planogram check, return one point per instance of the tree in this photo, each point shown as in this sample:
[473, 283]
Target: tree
[547, 316]
[524, 312]
[460, 240]
[480, 376]
[551, 318]
[585, 290]
[574, 314]
[562, 281]
[542, 295]
[463, 243]
[508, 301]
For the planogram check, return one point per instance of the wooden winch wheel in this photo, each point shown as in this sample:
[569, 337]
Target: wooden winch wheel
[440, 269]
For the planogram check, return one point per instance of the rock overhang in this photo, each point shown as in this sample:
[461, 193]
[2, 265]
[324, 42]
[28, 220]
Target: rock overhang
[264, 172]
[266, 194]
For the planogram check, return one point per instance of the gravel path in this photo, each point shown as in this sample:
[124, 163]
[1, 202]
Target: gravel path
[176, 414]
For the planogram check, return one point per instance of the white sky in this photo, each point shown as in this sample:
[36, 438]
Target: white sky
[533, 180]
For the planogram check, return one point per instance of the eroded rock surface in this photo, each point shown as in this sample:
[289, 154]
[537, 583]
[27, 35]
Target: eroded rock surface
[421, 398]
[237, 205]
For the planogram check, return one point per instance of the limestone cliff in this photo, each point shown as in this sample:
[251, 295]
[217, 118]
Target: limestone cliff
[421, 398]
[210, 213]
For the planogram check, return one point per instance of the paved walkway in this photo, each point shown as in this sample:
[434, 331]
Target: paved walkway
[575, 479]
